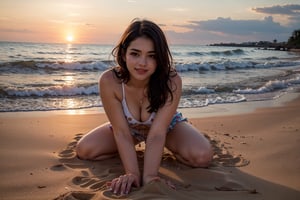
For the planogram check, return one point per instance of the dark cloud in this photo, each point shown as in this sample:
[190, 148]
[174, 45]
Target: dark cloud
[236, 27]
[231, 30]
[241, 30]
[290, 9]
[295, 19]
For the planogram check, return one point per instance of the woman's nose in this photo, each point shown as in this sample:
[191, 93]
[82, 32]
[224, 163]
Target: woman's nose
[143, 61]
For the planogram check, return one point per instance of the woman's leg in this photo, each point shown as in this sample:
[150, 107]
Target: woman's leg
[189, 146]
[98, 144]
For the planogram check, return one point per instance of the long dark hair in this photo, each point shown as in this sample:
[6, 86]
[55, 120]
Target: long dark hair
[159, 89]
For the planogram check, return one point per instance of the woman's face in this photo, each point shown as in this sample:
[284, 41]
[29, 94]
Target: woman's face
[140, 59]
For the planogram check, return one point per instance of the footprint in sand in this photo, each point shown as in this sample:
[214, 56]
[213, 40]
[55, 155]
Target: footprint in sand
[94, 175]
[76, 196]
[225, 158]
[68, 158]
[87, 181]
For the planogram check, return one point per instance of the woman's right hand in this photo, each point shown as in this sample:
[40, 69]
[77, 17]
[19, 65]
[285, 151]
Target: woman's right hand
[123, 184]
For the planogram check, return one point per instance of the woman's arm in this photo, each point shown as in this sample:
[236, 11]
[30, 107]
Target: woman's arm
[157, 135]
[111, 99]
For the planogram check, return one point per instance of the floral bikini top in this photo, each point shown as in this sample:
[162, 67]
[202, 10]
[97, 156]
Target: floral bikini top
[131, 120]
[138, 129]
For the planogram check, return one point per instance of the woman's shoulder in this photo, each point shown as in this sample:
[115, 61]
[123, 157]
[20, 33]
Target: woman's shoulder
[176, 79]
[109, 84]
[109, 76]
[109, 79]
[106, 75]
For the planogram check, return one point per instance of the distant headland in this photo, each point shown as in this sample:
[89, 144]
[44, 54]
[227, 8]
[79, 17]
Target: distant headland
[293, 44]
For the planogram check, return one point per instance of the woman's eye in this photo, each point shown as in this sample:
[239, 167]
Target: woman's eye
[152, 56]
[134, 54]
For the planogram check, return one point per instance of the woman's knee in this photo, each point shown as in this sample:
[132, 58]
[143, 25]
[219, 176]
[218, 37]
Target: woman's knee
[96, 143]
[83, 150]
[201, 158]
[204, 158]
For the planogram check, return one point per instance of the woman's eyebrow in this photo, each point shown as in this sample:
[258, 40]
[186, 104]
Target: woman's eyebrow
[137, 50]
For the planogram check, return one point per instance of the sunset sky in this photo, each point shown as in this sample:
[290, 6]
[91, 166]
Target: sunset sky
[184, 21]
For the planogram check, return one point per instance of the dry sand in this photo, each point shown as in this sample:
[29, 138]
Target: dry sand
[257, 156]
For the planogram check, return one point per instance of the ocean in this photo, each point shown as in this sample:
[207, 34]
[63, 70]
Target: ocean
[44, 77]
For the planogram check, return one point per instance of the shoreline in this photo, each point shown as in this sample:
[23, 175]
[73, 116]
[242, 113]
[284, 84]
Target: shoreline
[256, 147]
[212, 110]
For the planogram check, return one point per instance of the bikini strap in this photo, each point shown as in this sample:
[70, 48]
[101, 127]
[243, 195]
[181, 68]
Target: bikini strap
[123, 91]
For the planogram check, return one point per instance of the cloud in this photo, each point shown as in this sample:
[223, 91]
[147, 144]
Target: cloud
[231, 30]
[279, 23]
[237, 27]
[17, 30]
[289, 9]
[295, 19]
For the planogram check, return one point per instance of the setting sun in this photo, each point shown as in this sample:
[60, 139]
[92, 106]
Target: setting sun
[70, 38]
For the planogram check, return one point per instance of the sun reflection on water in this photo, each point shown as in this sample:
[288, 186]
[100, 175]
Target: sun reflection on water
[69, 58]
[68, 79]
[71, 105]
[76, 112]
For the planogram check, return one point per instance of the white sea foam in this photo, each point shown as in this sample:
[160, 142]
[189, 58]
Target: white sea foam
[203, 90]
[230, 65]
[270, 86]
[99, 65]
[198, 102]
[58, 90]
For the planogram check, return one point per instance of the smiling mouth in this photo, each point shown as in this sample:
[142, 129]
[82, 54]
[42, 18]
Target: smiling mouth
[141, 71]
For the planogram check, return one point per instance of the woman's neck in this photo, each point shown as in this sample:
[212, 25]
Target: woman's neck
[138, 84]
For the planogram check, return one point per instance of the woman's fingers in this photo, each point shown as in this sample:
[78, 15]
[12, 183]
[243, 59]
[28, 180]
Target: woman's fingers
[113, 185]
[126, 185]
[122, 185]
[131, 181]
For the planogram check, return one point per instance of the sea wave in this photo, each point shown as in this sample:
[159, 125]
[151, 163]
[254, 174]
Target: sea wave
[233, 52]
[231, 65]
[228, 52]
[46, 90]
[201, 101]
[270, 86]
[56, 90]
[217, 65]
[47, 67]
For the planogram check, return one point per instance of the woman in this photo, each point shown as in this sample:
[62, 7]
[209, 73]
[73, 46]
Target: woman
[140, 97]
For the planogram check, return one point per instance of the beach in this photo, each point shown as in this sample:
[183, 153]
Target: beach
[257, 155]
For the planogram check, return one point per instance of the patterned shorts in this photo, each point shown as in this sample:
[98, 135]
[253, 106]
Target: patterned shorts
[176, 119]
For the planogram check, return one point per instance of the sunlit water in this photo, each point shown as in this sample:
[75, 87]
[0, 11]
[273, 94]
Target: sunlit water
[64, 76]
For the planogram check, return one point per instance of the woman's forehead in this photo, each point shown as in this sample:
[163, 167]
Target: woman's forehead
[143, 44]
